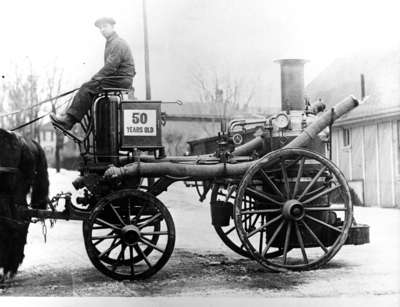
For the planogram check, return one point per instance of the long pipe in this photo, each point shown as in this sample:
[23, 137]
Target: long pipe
[247, 148]
[178, 170]
[343, 107]
[196, 171]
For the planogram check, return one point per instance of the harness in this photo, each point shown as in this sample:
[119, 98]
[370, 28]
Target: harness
[6, 169]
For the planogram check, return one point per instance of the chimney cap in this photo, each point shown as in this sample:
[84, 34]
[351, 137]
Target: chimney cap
[291, 61]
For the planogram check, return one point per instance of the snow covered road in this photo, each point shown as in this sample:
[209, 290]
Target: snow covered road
[201, 265]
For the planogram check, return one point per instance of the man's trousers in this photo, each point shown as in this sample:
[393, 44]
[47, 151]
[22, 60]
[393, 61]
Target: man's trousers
[83, 99]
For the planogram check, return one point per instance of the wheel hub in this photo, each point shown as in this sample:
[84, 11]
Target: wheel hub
[130, 234]
[293, 210]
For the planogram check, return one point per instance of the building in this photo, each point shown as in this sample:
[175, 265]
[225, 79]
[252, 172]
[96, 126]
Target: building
[48, 138]
[366, 141]
[194, 120]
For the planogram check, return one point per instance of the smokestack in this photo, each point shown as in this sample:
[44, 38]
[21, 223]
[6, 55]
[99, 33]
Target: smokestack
[292, 84]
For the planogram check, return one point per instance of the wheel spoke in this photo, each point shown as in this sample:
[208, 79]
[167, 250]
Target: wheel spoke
[263, 226]
[313, 192]
[324, 209]
[313, 181]
[301, 243]
[104, 223]
[119, 258]
[101, 240]
[271, 183]
[262, 195]
[110, 236]
[99, 227]
[323, 223]
[145, 241]
[230, 191]
[139, 214]
[315, 236]
[159, 233]
[299, 175]
[155, 217]
[116, 214]
[142, 220]
[260, 211]
[327, 191]
[246, 219]
[285, 179]
[261, 236]
[108, 250]
[272, 239]
[226, 196]
[229, 231]
[129, 211]
[255, 221]
[287, 239]
[140, 252]
[132, 262]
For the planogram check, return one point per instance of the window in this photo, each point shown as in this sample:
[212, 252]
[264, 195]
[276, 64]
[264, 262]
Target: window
[346, 137]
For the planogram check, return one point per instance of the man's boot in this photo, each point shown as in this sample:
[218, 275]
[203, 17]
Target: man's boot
[66, 121]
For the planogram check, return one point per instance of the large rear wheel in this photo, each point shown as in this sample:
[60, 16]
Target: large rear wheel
[304, 203]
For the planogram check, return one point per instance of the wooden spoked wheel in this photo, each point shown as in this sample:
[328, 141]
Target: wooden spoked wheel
[303, 201]
[228, 234]
[129, 235]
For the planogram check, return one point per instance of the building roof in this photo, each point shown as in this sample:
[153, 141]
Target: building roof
[342, 78]
[207, 110]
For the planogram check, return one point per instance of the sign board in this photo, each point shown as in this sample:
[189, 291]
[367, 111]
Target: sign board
[140, 124]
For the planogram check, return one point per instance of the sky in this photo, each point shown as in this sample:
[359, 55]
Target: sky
[235, 38]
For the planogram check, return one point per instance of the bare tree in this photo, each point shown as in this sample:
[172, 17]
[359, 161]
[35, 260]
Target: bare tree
[173, 141]
[23, 94]
[224, 95]
[54, 80]
[23, 98]
[3, 92]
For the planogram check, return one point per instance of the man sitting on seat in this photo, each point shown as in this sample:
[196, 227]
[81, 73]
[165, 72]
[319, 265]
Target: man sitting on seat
[118, 72]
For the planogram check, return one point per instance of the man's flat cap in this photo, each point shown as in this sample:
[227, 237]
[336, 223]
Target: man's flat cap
[104, 20]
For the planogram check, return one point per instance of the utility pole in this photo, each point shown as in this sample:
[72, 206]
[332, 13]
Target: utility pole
[150, 181]
[146, 53]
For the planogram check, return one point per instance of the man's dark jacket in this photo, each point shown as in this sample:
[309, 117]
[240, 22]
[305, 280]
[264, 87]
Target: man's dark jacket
[118, 60]
[118, 71]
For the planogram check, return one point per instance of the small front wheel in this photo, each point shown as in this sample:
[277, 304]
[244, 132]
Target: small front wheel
[129, 235]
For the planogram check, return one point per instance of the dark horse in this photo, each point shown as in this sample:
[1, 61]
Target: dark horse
[23, 170]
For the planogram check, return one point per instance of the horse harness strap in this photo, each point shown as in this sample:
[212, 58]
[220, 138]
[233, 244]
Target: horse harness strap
[13, 221]
[6, 169]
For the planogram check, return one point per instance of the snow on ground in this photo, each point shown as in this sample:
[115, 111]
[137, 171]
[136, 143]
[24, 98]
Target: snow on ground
[201, 265]
[62, 181]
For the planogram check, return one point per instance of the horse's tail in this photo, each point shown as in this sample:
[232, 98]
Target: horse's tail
[40, 184]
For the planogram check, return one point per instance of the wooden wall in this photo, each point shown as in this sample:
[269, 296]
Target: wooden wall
[370, 161]
[371, 158]
[396, 159]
